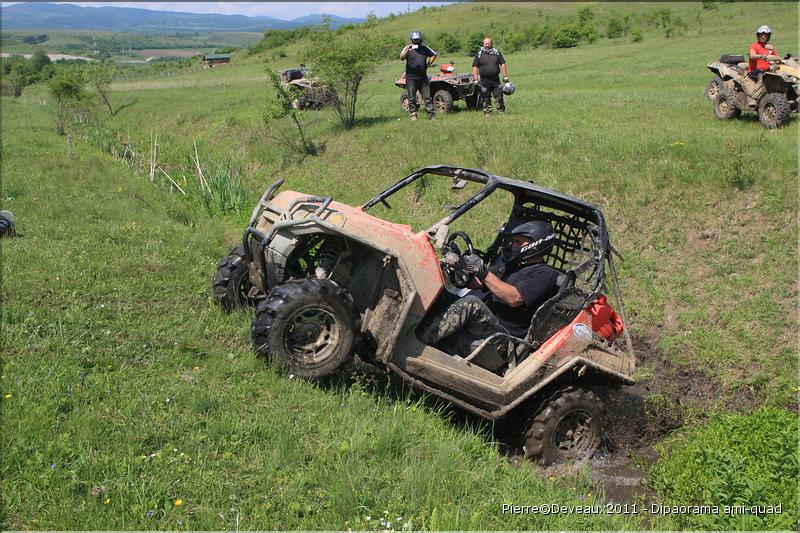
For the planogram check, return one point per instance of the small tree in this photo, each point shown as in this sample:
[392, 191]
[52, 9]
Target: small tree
[99, 75]
[278, 108]
[568, 36]
[343, 62]
[39, 59]
[448, 43]
[473, 42]
[66, 87]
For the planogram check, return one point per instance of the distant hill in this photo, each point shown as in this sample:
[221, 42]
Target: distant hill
[71, 17]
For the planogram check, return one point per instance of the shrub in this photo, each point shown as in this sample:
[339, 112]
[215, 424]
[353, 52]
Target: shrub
[615, 28]
[636, 35]
[447, 42]
[749, 460]
[568, 35]
[473, 43]
[515, 41]
[538, 36]
[589, 33]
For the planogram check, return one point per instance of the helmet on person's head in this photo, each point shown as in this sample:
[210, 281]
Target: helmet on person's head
[541, 236]
[764, 29]
[416, 37]
[508, 88]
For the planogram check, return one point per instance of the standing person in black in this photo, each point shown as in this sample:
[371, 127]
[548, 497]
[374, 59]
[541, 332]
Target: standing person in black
[418, 58]
[486, 69]
[509, 292]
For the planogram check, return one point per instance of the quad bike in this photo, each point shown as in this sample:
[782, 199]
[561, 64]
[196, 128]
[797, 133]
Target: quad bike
[774, 96]
[330, 279]
[447, 87]
[315, 94]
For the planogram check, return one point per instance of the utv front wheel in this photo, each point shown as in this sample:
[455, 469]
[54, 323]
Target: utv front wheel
[307, 325]
[404, 102]
[231, 282]
[774, 110]
[443, 101]
[724, 106]
[569, 427]
[713, 88]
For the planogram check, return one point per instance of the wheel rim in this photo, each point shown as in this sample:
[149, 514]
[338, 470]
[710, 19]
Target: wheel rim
[243, 288]
[723, 107]
[440, 105]
[574, 435]
[312, 335]
[770, 112]
[713, 91]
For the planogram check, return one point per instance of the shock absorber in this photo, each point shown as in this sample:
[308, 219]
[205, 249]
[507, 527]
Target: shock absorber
[328, 257]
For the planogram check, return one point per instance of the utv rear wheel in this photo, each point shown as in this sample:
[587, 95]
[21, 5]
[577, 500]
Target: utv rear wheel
[569, 427]
[443, 101]
[231, 283]
[308, 326]
[774, 110]
[713, 88]
[725, 107]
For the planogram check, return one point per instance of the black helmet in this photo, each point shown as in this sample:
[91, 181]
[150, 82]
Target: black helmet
[542, 237]
[416, 37]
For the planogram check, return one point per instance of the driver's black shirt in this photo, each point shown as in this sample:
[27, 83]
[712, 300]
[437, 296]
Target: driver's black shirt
[537, 283]
[417, 62]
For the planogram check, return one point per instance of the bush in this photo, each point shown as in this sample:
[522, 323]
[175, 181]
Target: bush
[615, 28]
[473, 43]
[538, 36]
[749, 460]
[589, 33]
[568, 35]
[637, 35]
[515, 41]
[447, 42]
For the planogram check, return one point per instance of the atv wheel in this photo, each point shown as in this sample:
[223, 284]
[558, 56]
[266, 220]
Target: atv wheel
[308, 325]
[231, 283]
[774, 110]
[713, 88]
[724, 106]
[443, 101]
[569, 427]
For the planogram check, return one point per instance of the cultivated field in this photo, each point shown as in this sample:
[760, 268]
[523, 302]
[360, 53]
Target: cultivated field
[131, 402]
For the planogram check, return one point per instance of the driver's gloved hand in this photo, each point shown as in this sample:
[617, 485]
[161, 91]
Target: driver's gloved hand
[451, 259]
[473, 264]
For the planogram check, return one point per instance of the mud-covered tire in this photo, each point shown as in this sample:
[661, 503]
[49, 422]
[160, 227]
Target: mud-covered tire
[568, 427]
[443, 101]
[713, 88]
[308, 326]
[774, 110]
[231, 282]
[725, 106]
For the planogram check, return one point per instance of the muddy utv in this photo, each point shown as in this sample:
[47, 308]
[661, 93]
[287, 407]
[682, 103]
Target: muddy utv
[329, 279]
[774, 96]
[447, 87]
[314, 93]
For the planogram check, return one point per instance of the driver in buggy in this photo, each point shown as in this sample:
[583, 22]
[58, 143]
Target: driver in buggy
[506, 295]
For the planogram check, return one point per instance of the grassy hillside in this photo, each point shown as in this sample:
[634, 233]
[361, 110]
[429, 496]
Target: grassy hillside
[130, 402]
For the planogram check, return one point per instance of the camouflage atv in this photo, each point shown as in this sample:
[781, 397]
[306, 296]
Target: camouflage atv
[774, 97]
[330, 279]
[316, 95]
[447, 87]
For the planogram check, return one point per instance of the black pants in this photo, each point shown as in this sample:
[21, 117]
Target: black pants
[460, 324]
[488, 88]
[424, 87]
[756, 74]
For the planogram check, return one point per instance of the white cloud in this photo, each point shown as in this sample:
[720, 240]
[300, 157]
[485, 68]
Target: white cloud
[281, 10]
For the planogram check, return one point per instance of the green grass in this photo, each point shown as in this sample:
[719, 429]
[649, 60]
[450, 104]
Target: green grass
[107, 312]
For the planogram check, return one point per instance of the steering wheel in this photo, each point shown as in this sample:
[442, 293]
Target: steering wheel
[458, 277]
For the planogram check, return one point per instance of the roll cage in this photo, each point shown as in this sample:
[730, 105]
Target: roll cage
[582, 245]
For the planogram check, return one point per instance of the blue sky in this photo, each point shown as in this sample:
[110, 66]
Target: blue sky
[281, 10]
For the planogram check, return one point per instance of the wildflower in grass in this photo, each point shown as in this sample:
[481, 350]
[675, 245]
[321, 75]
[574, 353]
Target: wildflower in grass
[7, 396]
[106, 501]
[178, 502]
[150, 513]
